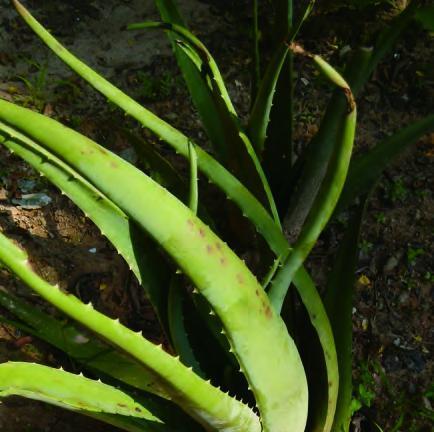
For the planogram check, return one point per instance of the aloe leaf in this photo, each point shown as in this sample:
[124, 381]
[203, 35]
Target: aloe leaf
[220, 276]
[283, 18]
[339, 304]
[302, 19]
[367, 168]
[67, 390]
[320, 148]
[208, 405]
[197, 84]
[157, 166]
[199, 47]
[100, 359]
[277, 158]
[178, 331]
[314, 161]
[234, 132]
[80, 346]
[113, 222]
[318, 217]
[330, 190]
[163, 172]
[244, 164]
[260, 114]
[321, 211]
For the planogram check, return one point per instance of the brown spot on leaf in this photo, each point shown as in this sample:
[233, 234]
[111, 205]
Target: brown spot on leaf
[202, 232]
[268, 312]
[209, 249]
[218, 246]
[240, 278]
[137, 409]
[113, 164]
[223, 261]
[121, 405]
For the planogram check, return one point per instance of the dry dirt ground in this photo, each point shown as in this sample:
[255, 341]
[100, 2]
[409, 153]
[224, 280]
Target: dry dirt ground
[393, 326]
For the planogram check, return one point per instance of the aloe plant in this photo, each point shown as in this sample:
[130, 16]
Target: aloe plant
[247, 325]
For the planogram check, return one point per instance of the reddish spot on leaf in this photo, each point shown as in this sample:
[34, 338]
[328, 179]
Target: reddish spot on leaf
[209, 249]
[268, 312]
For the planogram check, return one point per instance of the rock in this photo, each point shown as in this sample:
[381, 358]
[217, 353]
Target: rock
[391, 264]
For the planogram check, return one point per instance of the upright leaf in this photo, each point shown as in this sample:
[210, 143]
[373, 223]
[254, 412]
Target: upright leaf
[339, 304]
[317, 155]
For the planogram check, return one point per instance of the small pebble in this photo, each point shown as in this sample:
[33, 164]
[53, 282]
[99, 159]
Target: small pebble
[391, 263]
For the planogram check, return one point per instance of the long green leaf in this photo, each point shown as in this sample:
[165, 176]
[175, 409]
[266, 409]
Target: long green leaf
[67, 390]
[317, 156]
[314, 161]
[278, 148]
[260, 114]
[241, 157]
[80, 346]
[321, 212]
[211, 99]
[367, 168]
[124, 234]
[100, 359]
[84, 396]
[202, 256]
[204, 402]
[339, 303]
[329, 194]
[283, 19]
[197, 84]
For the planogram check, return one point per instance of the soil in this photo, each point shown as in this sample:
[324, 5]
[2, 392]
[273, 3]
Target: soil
[393, 328]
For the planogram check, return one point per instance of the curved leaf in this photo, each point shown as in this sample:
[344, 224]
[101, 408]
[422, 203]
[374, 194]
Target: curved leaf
[67, 390]
[79, 345]
[339, 303]
[123, 233]
[204, 402]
